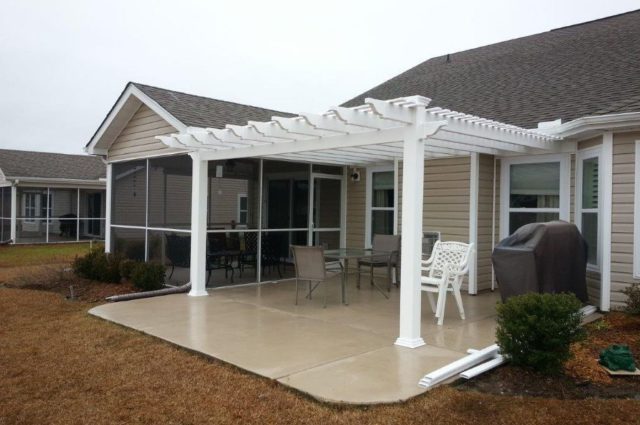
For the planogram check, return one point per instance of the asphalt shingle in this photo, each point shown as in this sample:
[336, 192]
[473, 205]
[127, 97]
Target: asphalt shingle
[15, 163]
[199, 111]
[586, 69]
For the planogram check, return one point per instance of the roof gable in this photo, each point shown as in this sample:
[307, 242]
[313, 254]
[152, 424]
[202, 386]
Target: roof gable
[180, 110]
[571, 72]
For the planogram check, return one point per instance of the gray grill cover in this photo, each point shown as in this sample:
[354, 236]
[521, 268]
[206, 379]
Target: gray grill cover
[542, 257]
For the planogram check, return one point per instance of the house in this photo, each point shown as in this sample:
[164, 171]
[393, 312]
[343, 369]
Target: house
[51, 197]
[549, 129]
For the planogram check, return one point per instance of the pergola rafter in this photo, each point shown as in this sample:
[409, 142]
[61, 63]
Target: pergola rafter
[365, 134]
[379, 131]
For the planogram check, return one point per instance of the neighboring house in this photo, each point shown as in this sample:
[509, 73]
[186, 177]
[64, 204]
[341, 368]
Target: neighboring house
[50, 197]
[563, 146]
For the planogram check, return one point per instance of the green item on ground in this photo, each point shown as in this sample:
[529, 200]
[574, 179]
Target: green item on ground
[618, 357]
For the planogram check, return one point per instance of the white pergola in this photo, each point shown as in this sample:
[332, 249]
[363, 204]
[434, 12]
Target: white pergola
[378, 131]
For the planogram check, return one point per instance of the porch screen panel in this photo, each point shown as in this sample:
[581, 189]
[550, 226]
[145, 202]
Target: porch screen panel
[128, 242]
[173, 249]
[31, 224]
[534, 194]
[5, 213]
[276, 253]
[63, 223]
[233, 194]
[92, 213]
[285, 195]
[129, 191]
[170, 192]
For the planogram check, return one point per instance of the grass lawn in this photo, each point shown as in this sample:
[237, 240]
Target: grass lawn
[60, 365]
[24, 255]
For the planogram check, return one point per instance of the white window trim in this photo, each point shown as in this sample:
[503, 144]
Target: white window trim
[240, 210]
[369, 200]
[565, 180]
[582, 155]
[636, 214]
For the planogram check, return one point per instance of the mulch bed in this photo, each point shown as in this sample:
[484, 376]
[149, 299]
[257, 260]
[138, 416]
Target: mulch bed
[583, 377]
[59, 278]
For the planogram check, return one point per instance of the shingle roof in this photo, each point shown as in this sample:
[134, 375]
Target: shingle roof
[14, 163]
[586, 69]
[200, 111]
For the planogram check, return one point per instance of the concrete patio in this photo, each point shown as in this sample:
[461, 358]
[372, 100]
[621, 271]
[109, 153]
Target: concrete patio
[340, 354]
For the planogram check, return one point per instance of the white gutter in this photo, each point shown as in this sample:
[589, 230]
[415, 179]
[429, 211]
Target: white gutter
[595, 123]
[100, 182]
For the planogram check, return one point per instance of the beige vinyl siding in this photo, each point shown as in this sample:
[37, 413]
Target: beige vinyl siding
[356, 210]
[622, 216]
[446, 197]
[138, 137]
[485, 218]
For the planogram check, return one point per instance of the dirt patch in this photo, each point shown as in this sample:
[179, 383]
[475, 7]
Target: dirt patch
[583, 377]
[60, 279]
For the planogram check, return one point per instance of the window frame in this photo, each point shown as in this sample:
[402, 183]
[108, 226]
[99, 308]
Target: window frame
[368, 238]
[239, 221]
[563, 210]
[636, 213]
[581, 156]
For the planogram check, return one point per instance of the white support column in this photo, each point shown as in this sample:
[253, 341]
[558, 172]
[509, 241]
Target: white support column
[606, 168]
[396, 195]
[14, 212]
[107, 215]
[474, 187]
[198, 226]
[343, 206]
[412, 194]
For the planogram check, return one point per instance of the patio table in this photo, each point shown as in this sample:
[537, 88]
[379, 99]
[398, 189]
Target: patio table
[346, 254]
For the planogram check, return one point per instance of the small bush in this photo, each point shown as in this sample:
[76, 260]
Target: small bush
[536, 330]
[126, 268]
[633, 299]
[97, 265]
[148, 276]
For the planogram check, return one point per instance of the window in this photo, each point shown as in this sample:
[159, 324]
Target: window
[30, 205]
[535, 190]
[588, 202]
[243, 208]
[381, 200]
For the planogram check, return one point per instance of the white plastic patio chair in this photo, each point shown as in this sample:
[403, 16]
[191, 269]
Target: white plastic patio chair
[445, 270]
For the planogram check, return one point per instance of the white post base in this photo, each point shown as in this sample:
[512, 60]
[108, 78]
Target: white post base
[196, 293]
[410, 343]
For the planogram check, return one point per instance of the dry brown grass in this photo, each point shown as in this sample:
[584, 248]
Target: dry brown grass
[59, 365]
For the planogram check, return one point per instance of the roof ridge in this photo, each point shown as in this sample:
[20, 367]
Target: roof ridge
[208, 98]
[595, 20]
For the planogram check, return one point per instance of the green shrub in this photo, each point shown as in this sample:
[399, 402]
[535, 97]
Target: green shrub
[97, 265]
[148, 276]
[536, 330]
[633, 298]
[126, 268]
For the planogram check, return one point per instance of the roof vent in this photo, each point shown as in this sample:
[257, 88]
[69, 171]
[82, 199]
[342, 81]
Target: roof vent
[448, 59]
[549, 124]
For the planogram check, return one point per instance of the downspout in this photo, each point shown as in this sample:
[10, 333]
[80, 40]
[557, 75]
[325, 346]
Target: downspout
[493, 221]
[149, 294]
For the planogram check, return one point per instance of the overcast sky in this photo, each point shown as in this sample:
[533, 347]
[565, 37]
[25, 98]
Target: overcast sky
[63, 63]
